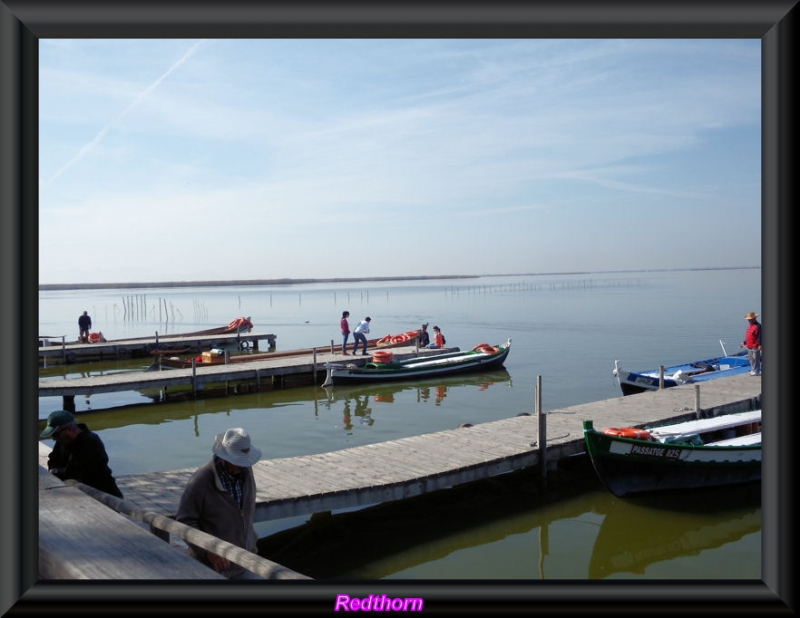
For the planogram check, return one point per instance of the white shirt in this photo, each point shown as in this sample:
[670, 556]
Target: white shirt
[363, 327]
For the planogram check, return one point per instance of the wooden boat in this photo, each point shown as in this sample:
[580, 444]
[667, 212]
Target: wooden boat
[722, 450]
[383, 367]
[393, 341]
[632, 382]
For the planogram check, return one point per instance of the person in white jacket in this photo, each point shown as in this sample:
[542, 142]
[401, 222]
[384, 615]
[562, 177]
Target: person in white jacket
[360, 335]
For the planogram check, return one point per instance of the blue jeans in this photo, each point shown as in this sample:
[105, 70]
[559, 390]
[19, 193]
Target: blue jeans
[359, 338]
[344, 342]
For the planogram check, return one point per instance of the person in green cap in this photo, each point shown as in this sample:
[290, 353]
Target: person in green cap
[78, 454]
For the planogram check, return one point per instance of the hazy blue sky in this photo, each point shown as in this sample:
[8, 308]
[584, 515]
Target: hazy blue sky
[250, 159]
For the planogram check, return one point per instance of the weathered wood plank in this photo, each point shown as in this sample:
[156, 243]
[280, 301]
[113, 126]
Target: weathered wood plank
[80, 538]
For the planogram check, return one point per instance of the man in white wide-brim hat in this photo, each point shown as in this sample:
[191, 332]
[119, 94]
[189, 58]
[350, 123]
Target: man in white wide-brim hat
[220, 499]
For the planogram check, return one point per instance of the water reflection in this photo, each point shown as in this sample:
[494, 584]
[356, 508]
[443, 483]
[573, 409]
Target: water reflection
[636, 533]
[571, 529]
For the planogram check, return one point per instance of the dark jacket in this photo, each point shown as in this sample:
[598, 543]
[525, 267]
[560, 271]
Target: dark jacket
[84, 460]
[424, 338]
[207, 506]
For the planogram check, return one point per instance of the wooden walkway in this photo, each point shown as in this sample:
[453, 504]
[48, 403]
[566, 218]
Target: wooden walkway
[125, 348]
[412, 466]
[80, 538]
[256, 375]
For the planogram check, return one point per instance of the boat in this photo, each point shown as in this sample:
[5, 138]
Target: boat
[393, 341]
[632, 382]
[383, 367]
[709, 452]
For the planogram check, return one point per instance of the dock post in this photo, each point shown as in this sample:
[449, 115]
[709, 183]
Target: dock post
[194, 377]
[227, 356]
[697, 400]
[314, 361]
[331, 346]
[69, 403]
[542, 431]
[661, 377]
[64, 348]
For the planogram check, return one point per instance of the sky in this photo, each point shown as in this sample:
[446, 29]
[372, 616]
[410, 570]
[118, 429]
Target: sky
[198, 160]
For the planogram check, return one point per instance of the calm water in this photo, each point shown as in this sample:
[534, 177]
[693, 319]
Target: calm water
[566, 329]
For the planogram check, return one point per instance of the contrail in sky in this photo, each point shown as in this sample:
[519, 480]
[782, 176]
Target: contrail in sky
[139, 98]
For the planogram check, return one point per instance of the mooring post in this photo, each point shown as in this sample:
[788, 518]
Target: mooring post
[697, 400]
[64, 349]
[194, 377]
[331, 346]
[314, 362]
[661, 377]
[542, 430]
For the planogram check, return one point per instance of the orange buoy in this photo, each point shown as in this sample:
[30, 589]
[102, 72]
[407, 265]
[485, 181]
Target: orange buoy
[628, 432]
[382, 356]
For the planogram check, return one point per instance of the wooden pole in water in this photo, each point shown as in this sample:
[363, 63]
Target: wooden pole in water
[661, 377]
[697, 400]
[314, 361]
[542, 430]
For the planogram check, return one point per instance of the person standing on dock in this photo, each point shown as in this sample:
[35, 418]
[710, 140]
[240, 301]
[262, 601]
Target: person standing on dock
[360, 335]
[220, 500]
[345, 328]
[84, 326]
[752, 341]
[78, 454]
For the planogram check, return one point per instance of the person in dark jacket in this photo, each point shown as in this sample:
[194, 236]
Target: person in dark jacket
[78, 454]
[84, 326]
[220, 500]
[424, 337]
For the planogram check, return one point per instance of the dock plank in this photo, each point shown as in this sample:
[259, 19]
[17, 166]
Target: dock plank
[81, 538]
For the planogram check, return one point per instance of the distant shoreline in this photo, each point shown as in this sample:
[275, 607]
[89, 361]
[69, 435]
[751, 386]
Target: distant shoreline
[247, 282]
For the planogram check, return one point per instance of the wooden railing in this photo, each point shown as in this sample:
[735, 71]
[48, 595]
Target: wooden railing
[162, 526]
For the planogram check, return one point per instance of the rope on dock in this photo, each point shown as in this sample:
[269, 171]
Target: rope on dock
[250, 561]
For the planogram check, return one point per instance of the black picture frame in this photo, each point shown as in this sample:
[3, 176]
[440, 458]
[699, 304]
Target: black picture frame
[24, 22]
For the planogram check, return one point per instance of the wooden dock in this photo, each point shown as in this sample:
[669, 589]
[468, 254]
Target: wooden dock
[280, 371]
[412, 466]
[63, 352]
[100, 543]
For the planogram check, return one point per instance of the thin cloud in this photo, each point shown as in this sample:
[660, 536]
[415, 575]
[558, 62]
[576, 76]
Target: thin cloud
[136, 101]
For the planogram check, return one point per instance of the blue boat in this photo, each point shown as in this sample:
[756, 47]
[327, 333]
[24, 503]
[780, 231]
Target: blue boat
[632, 382]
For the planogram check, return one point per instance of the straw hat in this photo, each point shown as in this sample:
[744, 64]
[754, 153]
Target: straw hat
[234, 447]
[751, 316]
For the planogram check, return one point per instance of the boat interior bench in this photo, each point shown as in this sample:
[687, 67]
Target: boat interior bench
[750, 439]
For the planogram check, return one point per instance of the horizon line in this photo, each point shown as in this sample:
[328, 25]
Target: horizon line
[289, 281]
